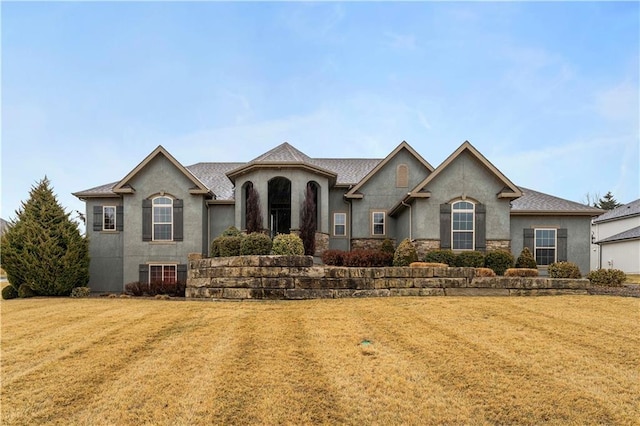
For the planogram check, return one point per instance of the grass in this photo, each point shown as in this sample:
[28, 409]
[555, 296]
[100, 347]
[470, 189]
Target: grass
[633, 279]
[548, 360]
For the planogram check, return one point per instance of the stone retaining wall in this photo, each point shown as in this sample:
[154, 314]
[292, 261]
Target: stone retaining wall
[295, 277]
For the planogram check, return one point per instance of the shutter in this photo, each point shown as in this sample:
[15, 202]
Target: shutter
[481, 227]
[119, 218]
[97, 218]
[445, 226]
[178, 225]
[562, 245]
[182, 273]
[143, 274]
[147, 212]
[529, 235]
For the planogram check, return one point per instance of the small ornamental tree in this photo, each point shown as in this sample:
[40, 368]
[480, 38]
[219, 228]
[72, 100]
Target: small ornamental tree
[254, 214]
[526, 259]
[43, 248]
[405, 254]
[308, 223]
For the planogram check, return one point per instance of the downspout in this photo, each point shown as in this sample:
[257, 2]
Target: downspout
[410, 218]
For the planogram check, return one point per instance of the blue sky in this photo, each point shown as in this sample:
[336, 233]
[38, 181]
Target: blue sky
[548, 92]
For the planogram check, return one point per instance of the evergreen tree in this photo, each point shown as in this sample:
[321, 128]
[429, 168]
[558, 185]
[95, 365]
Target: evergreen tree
[43, 247]
[254, 214]
[308, 223]
[608, 202]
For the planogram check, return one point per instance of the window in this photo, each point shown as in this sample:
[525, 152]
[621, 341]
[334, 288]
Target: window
[545, 246]
[402, 176]
[377, 227]
[339, 224]
[162, 219]
[462, 230]
[108, 218]
[163, 273]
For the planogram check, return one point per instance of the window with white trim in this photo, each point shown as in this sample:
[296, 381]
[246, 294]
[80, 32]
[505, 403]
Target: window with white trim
[109, 218]
[163, 274]
[545, 246]
[339, 224]
[462, 225]
[162, 219]
[377, 223]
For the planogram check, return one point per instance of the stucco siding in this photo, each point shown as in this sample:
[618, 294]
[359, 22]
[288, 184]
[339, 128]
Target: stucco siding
[105, 250]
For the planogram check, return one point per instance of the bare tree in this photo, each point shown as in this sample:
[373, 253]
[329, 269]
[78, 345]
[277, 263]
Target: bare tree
[308, 223]
[254, 214]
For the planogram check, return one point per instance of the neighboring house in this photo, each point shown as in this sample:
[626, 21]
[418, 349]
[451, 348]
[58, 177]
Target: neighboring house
[616, 238]
[143, 226]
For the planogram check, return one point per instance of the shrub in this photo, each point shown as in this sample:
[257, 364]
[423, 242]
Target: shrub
[499, 261]
[564, 270]
[428, 265]
[607, 277]
[405, 254]
[388, 246]
[25, 291]
[485, 272]
[441, 256]
[81, 292]
[9, 292]
[334, 257]
[214, 249]
[526, 259]
[231, 231]
[470, 259]
[367, 258]
[229, 246]
[521, 272]
[256, 243]
[135, 288]
[287, 245]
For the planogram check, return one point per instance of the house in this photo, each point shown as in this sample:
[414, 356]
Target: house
[616, 238]
[142, 227]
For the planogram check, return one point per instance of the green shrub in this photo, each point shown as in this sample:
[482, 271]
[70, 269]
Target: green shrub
[333, 257]
[484, 272]
[229, 246]
[470, 259]
[367, 258]
[405, 254]
[607, 277]
[388, 246]
[9, 292]
[135, 288]
[256, 243]
[81, 292]
[521, 272]
[231, 231]
[564, 270]
[25, 291]
[441, 256]
[287, 245]
[499, 261]
[526, 259]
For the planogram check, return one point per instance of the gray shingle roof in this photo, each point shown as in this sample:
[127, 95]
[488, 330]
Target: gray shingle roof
[630, 209]
[214, 176]
[629, 234]
[283, 153]
[349, 170]
[98, 191]
[538, 202]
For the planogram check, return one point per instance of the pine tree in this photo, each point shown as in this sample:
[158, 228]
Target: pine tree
[308, 223]
[254, 214]
[608, 202]
[43, 247]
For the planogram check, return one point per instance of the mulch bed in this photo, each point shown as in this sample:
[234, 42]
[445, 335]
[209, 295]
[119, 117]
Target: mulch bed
[626, 290]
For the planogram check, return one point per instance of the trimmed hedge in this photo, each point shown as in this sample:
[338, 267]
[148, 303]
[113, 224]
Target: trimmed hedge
[484, 272]
[428, 265]
[607, 277]
[333, 257]
[564, 270]
[368, 258]
[255, 243]
[470, 259]
[287, 245]
[388, 246]
[526, 259]
[441, 256]
[80, 292]
[405, 254]
[521, 272]
[9, 292]
[499, 261]
[136, 288]
[26, 291]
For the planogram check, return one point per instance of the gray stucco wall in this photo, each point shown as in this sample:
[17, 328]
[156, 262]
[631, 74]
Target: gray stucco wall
[221, 216]
[337, 204]
[105, 250]
[160, 176]
[578, 235]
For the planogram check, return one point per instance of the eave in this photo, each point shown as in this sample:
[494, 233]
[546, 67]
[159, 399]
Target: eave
[234, 174]
[552, 213]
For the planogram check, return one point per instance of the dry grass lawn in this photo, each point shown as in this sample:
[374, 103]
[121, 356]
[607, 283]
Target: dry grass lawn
[547, 360]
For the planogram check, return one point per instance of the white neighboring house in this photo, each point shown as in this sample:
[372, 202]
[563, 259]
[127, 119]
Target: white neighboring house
[616, 239]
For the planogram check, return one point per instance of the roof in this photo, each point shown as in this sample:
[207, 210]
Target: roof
[626, 210]
[629, 234]
[534, 202]
[283, 153]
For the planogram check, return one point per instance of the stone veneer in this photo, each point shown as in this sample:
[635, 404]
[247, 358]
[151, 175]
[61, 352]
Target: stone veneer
[295, 277]
[499, 245]
[369, 243]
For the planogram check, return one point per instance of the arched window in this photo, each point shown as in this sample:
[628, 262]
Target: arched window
[402, 176]
[462, 229]
[162, 219]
